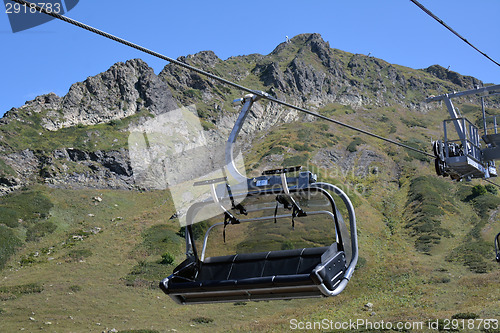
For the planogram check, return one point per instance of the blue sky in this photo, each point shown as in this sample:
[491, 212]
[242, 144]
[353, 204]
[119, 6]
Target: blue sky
[50, 57]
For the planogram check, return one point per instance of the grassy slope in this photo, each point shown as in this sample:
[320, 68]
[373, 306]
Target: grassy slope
[91, 295]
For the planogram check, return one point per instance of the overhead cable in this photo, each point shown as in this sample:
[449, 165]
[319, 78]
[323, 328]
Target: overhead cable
[428, 12]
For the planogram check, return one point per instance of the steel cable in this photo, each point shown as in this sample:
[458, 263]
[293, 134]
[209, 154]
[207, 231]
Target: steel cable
[428, 12]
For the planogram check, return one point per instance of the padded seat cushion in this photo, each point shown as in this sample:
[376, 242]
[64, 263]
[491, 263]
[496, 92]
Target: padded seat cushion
[292, 280]
[247, 266]
[272, 269]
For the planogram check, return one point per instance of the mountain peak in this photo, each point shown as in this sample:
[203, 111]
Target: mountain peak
[308, 38]
[458, 79]
[312, 40]
[121, 91]
[202, 58]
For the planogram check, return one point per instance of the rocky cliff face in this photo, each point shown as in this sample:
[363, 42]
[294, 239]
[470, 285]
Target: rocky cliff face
[120, 92]
[306, 72]
[68, 167]
[124, 90]
[467, 82]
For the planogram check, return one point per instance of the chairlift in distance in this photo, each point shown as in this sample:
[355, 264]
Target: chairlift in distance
[276, 196]
[462, 156]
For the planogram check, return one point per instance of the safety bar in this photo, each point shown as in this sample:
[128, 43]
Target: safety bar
[263, 218]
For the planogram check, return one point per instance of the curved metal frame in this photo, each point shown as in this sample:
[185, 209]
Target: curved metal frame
[265, 218]
[247, 102]
[340, 232]
[354, 240]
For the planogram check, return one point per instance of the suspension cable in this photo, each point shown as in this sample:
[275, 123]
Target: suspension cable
[210, 75]
[492, 183]
[349, 126]
[428, 12]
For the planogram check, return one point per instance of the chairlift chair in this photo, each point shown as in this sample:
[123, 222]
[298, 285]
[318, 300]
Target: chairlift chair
[462, 155]
[277, 196]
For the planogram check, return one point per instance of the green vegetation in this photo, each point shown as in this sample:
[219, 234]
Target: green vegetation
[484, 203]
[202, 320]
[75, 288]
[275, 151]
[147, 274]
[167, 259]
[9, 217]
[8, 244]
[417, 144]
[287, 245]
[491, 189]
[28, 205]
[160, 239]
[465, 315]
[353, 146]
[31, 135]
[414, 123]
[6, 170]
[478, 190]
[193, 93]
[19, 290]
[132, 251]
[39, 230]
[428, 199]
[25, 212]
[199, 229]
[475, 252]
[79, 254]
[296, 160]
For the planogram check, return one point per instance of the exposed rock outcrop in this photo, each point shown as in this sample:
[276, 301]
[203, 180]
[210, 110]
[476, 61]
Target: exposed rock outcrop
[467, 82]
[119, 92]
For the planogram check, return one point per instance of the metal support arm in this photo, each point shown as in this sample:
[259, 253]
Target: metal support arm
[247, 102]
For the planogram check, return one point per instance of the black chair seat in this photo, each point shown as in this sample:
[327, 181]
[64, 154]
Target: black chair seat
[287, 269]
